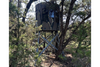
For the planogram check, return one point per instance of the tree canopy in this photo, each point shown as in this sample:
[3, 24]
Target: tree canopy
[74, 33]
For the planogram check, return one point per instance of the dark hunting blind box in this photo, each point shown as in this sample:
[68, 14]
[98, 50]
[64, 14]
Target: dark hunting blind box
[47, 15]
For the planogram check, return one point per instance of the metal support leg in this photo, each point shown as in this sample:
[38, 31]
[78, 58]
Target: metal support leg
[50, 42]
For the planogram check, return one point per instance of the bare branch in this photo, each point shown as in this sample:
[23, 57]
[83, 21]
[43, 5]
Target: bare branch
[26, 9]
[62, 15]
[75, 30]
[69, 14]
[68, 17]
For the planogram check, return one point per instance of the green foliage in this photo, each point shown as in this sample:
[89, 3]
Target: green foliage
[19, 55]
[80, 34]
[81, 14]
[12, 9]
[80, 47]
[61, 57]
[82, 57]
[21, 51]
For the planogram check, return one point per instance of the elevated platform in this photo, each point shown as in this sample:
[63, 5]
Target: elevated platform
[47, 30]
[47, 15]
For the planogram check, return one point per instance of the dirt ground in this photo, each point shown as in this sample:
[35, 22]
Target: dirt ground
[51, 62]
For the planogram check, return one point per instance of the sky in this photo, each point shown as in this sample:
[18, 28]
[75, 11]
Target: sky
[32, 13]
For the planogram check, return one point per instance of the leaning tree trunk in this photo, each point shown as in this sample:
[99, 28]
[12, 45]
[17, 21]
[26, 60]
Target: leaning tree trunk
[63, 30]
[59, 48]
[26, 9]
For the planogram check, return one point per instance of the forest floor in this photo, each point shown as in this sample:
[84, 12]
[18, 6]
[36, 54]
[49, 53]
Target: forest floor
[51, 62]
[71, 59]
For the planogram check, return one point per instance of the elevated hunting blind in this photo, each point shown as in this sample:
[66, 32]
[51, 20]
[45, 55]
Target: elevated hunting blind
[47, 15]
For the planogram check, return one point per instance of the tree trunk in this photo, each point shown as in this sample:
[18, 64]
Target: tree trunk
[59, 48]
[26, 9]
[63, 30]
